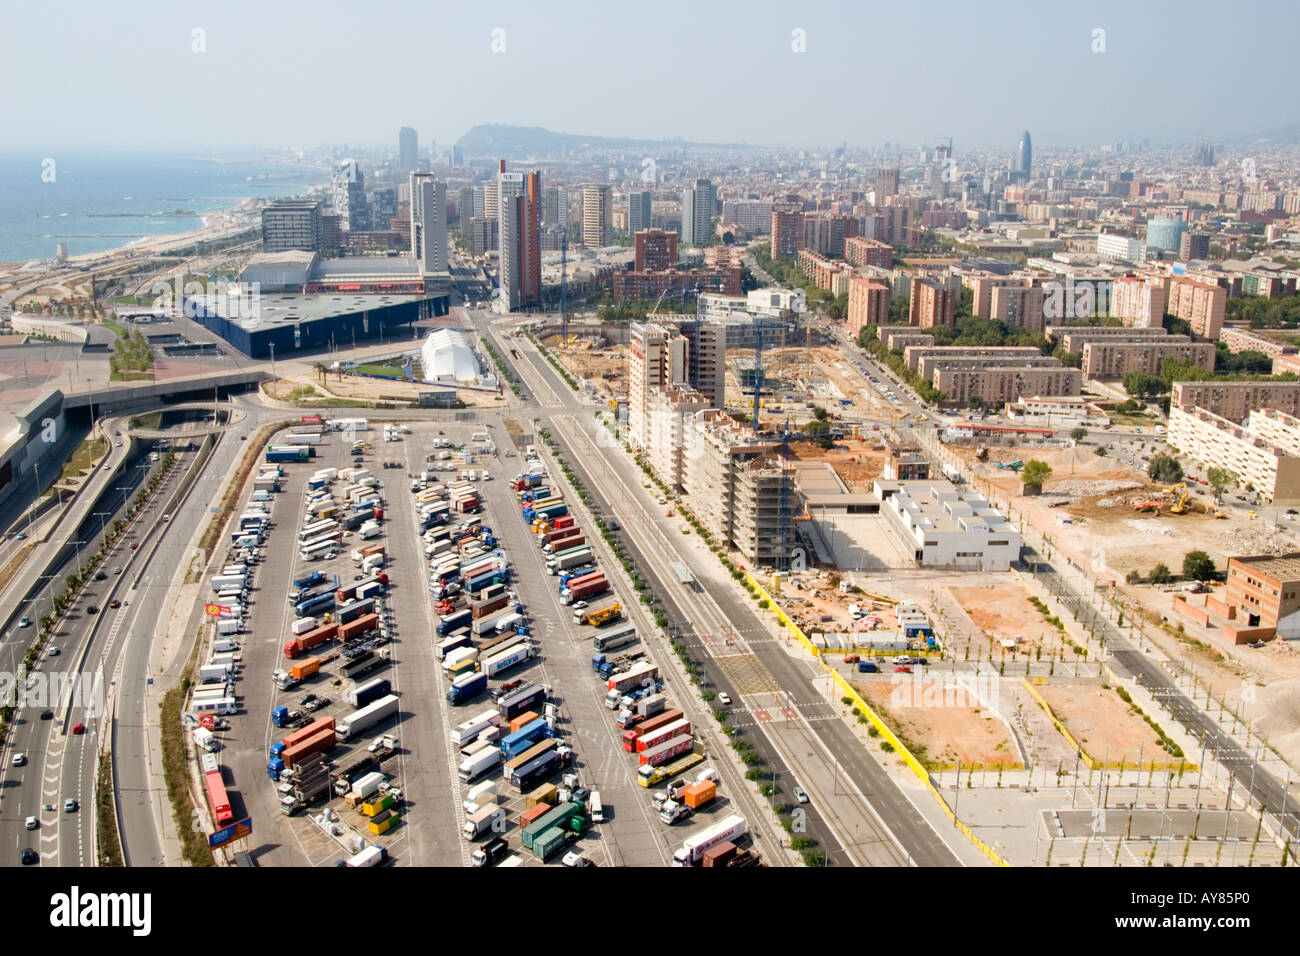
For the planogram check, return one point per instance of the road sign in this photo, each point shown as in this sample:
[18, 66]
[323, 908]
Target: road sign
[236, 831]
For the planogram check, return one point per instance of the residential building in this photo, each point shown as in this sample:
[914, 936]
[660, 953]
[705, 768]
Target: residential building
[905, 462]
[868, 304]
[750, 214]
[1263, 593]
[429, 222]
[922, 359]
[787, 229]
[597, 216]
[942, 527]
[1017, 305]
[482, 235]
[1243, 340]
[886, 184]
[656, 250]
[860, 251]
[932, 305]
[724, 257]
[825, 273]
[556, 207]
[1112, 359]
[408, 149]
[697, 213]
[1233, 401]
[649, 286]
[960, 381]
[1138, 302]
[670, 412]
[291, 224]
[1264, 452]
[657, 358]
[1200, 304]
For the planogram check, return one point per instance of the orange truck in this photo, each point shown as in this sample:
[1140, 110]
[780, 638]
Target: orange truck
[306, 668]
[523, 720]
[322, 742]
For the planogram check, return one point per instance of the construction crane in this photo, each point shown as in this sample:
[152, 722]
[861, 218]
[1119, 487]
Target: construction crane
[758, 366]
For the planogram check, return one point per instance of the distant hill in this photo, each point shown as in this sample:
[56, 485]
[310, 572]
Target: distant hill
[489, 139]
[1281, 135]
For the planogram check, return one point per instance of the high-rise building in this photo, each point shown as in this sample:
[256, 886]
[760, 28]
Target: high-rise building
[886, 184]
[597, 216]
[1165, 233]
[1194, 245]
[1025, 156]
[656, 250]
[291, 224]
[1201, 304]
[787, 229]
[697, 213]
[510, 280]
[750, 214]
[868, 304]
[408, 149]
[639, 206]
[932, 305]
[458, 156]
[482, 235]
[492, 198]
[348, 196]
[465, 205]
[531, 253]
[555, 207]
[429, 222]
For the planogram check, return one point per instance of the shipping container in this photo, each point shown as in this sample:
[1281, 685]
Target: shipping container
[470, 729]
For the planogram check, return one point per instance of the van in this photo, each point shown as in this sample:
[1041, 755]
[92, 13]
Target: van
[597, 808]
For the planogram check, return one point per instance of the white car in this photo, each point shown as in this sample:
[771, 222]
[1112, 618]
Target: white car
[32, 823]
[20, 759]
[724, 699]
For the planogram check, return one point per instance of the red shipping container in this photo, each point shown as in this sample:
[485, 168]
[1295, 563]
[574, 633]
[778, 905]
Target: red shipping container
[533, 813]
[321, 743]
[367, 622]
[648, 741]
[315, 727]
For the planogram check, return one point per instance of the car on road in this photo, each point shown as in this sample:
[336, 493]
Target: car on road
[69, 805]
[117, 570]
[902, 669]
[114, 604]
[25, 622]
[117, 444]
[31, 823]
[101, 576]
[47, 714]
[29, 857]
[724, 699]
[167, 517]
[107, 468]
[21, 536]
[92, 609]
[53, 652]
[800, 794]
[78, 728]
[20, 759]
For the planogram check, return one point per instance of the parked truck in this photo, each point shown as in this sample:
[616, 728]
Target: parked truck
[368, 692]
[313, 638]
[649, 775]
[574, 557]
[513, 744]
[365, 718]
[454, 622]
[471, 768]
[644, 709]
[470, 729]
[730, 829]
[508, 658]
[642, 675]
[466, 687]
[520, 699]
[598, 616]
[486, 819]
[587, 586]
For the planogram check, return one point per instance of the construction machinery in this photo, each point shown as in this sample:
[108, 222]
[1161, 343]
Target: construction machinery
[1182, 494]
[1148, 505]
[1010, 466]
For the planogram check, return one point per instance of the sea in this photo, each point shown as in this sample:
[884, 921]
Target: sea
[96, 201]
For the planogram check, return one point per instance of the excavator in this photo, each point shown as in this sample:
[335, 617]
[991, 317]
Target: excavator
[1180, 490]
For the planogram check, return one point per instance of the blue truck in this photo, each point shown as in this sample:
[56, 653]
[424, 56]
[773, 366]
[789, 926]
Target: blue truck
[512, 745]
[568, 576]
[550, 512]
[455, 621]
[307, 594]
[252, 522]
[310, 581]
[324, 602]
[466, 687]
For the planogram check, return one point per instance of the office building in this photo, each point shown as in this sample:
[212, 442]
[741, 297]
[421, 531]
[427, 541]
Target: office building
[1194, 245]
[348, 196]
[932, 305]
[656, 250]
[556, 207]
[697, 213]
[1165, 233]
[465, 206]
[408, 150]
[481, 235]
[492, 198]
[458, 156]
[1120, 248]
[291, 224]
[1024, 158]
[597, 216]
[429, 222]
[751, 215]
[640, 207]
[1262, 598]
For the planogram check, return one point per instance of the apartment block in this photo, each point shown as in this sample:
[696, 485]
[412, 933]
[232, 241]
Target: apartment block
[916, 355]
[982, 285]
[826, 234]
[1271, 464]
[656, 250]
[823, 271]
[597, 216]
[861, 251]
[868, 304]
[291, 224]
[1138, 302]
[787, 229]
[1116, 359]
[1235, 400]
[649, 286]
[898, 339]
[1243, 340]
[749, 214]
[669, 413]
[657, 358]
[945, 528]
[932, 305]
[961, 381]
[1017, 305]
[723, 257]
[1200, 304]
[905, 462]
[1074, 337]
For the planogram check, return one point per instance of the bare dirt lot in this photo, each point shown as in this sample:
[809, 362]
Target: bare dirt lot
[1104, 725]
[585, 358]
[937, 734]
[1004, 613]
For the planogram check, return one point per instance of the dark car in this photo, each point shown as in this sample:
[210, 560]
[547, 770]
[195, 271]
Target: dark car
[114, 604]
[29, 857]
[92, 609]
[47, 714]
[101, 576]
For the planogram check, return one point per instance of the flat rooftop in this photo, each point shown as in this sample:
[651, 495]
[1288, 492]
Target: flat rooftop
[1284, 567]
[277, 309]
[366, 266]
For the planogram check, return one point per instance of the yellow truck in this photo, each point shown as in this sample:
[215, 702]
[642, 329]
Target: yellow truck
[599, 616]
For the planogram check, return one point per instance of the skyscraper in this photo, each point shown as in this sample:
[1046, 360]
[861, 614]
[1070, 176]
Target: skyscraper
[639, 205]
[520, 260]
[886, 184]
[429, 222]
[555, 207]
[408, 149]
[458, 156]
[348, 196]
[532, 249]
[1025, 156]
[697, 213]
[597, 216]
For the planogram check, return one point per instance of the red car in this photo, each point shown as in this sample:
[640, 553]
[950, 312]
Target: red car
[78, 728]
[903, 670]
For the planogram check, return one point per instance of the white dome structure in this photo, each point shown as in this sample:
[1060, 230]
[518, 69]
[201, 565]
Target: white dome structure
[447, 357]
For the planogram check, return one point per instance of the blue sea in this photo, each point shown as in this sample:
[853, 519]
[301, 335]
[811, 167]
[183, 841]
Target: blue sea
[101, 201]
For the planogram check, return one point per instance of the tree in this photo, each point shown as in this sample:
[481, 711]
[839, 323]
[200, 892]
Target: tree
[820, 432]
[1164, 468]
[1144, 385]
[1198, 566]
[1078, 434]
[1220, 480]
[1161, 574]
[975, 403]
[820, 413]
[1033, 475]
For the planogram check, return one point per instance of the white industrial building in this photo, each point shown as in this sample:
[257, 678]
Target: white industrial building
[942, 527]
[447, 357]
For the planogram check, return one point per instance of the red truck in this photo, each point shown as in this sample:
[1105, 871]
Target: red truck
[572, 538]
[315, 727]
[320, 743]
[665, 751]
[484, 608]
[667, 732]
[562, 522]
[560, 533]
[584, 587]
[305, 642]
[367, 622]
[649, 727]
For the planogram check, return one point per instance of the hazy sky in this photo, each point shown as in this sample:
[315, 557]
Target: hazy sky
[279, 73]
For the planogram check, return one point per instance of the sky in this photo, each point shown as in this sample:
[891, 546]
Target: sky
[790, 74]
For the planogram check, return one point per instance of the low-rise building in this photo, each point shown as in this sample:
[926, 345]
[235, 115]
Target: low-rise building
[1117, 359]
[942, 527]
[1055, 411]
[1243, 340]
[1264, 591]
[916, 356]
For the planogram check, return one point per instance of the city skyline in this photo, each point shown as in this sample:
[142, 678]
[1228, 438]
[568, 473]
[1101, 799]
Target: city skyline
[1005, 72]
